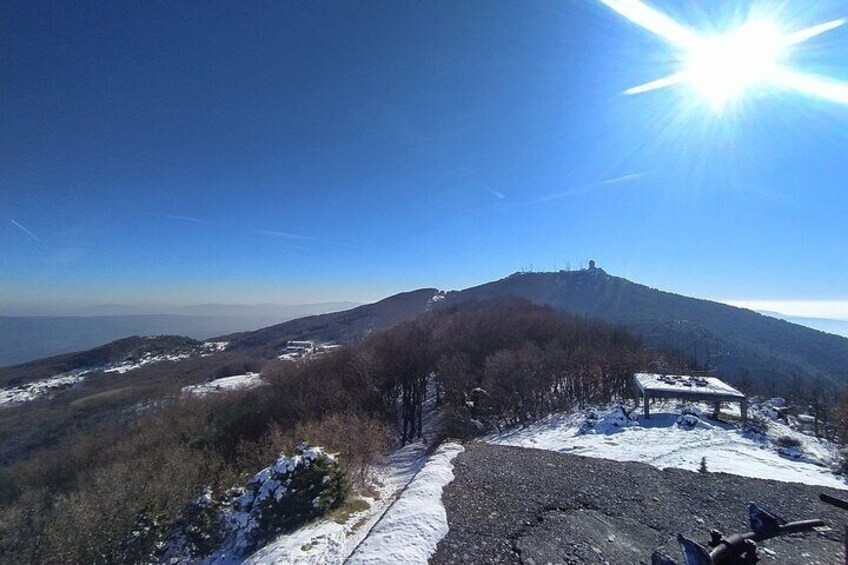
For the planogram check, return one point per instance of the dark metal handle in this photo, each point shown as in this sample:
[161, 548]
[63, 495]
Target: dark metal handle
[833, 501]
[733, 546]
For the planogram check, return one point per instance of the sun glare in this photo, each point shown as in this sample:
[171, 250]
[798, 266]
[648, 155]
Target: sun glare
[722, 68]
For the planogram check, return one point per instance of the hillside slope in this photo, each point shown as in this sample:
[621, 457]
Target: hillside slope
[341, 327]
[733, 340]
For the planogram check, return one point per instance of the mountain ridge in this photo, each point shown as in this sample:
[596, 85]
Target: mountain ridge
[740, 344]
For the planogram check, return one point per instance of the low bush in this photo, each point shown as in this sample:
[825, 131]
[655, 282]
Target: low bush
[788, 442]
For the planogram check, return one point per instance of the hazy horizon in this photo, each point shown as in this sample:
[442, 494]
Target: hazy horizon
[792, 310]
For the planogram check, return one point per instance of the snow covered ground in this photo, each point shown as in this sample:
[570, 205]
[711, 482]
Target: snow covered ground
[37, 389]
[668, 439]
[234, 382]
[208, 348]
[416, 522]
[403, 524]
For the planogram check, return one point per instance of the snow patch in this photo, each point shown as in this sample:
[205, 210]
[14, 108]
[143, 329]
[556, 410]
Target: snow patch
[225, 384]
[44, 387]
[414, 525]
[205, 349]
[329, 542]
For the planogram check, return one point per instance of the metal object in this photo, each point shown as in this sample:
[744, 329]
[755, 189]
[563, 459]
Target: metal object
[839, 503]
[741, 549]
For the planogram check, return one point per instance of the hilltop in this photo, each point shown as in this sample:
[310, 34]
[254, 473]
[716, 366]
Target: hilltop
[738, 343]
[743, 346]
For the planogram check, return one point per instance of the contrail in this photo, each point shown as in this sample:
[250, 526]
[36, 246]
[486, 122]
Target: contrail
[625, 178]
[583, 189]
[26, 231]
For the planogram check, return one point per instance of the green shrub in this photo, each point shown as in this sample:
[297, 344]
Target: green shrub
[280, 498]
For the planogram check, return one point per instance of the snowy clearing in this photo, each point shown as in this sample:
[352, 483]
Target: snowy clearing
[225, 384]
[669, 439]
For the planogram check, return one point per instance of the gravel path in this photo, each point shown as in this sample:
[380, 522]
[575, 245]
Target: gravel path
[518, 505]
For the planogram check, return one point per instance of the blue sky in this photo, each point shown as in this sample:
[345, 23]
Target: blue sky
[243, 152]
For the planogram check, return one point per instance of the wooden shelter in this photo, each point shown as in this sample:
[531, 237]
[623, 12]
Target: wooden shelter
[687, 387]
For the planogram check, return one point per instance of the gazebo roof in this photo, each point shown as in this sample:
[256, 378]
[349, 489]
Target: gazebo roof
[657, 384]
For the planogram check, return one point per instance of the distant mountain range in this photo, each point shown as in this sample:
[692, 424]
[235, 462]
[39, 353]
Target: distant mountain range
[740, 344]
[829, 325]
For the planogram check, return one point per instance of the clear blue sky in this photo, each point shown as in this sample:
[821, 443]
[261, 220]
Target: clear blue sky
[304, 151]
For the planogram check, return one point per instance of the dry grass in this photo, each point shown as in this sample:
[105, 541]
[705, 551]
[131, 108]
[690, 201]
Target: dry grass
[102, 398]
[352, 505]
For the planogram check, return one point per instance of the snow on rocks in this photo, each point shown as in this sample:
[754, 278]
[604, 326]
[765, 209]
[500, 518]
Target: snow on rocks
[280, 498]
[692, 417]
[773, 408]
[607, 422]
[669, 439]
[413, 526]
[225, 384]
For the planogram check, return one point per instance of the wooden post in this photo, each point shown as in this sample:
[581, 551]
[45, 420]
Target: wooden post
[647, 398]
[636, 393]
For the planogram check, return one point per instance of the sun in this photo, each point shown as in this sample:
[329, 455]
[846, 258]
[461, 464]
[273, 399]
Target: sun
[720, 69]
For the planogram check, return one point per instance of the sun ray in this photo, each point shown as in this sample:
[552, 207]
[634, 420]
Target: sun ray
[811, 32]
[664, 82]
[811, 85]
[654, 21]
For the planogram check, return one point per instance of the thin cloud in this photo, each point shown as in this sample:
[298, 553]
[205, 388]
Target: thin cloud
[624, 178]
[25, 230]
[592, 187]
[496, 193]
[272, 233]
